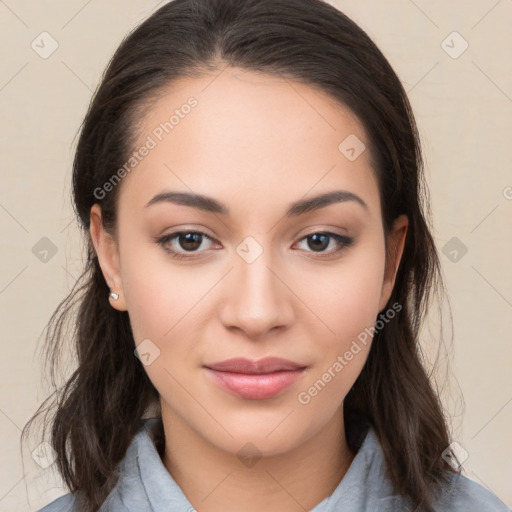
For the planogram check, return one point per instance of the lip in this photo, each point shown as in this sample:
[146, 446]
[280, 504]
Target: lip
[248, 366]
[255, 380]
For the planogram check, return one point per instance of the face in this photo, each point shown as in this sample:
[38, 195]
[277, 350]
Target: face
[252, 276]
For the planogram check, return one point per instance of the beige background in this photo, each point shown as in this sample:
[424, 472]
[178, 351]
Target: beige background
[464, 110]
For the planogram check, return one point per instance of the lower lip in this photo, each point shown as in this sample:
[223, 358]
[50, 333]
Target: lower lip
[254, 386]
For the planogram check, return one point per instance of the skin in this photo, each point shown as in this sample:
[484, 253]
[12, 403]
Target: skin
[256, 143]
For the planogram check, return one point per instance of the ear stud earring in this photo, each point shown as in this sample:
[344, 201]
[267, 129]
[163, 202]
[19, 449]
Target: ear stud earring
[115, 296]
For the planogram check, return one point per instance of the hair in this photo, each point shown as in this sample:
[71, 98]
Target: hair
[100, 406]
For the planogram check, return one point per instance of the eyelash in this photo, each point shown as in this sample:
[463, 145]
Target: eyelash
[343, 241]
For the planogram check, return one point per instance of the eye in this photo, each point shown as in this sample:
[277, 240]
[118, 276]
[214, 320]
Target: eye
[179, 243]
[185, 242]
[322, 240]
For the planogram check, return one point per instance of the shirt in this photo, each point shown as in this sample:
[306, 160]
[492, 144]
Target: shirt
[145, 485]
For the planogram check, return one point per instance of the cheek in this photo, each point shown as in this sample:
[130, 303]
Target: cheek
[342, 351]
[346, 299]
[159, 295]
[164, 302]
[346, 296]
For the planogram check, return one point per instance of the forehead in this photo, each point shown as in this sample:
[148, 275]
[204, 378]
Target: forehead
[247, 137]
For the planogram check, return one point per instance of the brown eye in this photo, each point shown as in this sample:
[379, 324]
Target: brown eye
[180, 243]
[319, 242]
[189, 241]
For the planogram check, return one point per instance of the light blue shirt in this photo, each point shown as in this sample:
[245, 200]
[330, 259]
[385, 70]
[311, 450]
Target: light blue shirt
[145, 485]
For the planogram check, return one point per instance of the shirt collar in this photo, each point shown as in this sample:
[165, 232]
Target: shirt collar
[144, 483]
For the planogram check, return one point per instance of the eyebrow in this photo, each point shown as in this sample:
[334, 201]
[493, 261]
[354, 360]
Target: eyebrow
[209, 204]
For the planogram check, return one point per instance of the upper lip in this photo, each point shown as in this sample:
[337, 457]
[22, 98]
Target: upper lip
[265, 365]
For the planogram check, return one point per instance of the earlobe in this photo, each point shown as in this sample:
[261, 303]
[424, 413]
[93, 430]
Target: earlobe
[108, 258]
[396, 244]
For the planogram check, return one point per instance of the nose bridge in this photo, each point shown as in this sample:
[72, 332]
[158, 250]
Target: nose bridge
[257, 299]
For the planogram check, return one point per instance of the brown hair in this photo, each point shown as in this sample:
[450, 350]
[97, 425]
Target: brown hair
[99, 408]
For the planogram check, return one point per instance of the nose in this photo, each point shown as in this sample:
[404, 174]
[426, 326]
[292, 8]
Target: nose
[257, 299]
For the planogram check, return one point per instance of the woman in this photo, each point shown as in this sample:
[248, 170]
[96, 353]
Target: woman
[249, 180]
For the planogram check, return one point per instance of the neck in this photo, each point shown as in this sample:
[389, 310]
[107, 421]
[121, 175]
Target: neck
[214, 480]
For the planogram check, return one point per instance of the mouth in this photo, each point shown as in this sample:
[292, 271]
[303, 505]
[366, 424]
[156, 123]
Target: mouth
[251, 367]
[255, 380]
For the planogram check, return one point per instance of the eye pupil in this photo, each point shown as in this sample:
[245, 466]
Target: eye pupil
[190, 238]
[320, 241]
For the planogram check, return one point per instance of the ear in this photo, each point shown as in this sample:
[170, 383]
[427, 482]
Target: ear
[396, 243]
[108, 257]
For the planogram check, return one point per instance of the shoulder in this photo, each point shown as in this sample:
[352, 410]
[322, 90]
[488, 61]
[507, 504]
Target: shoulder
[129, 485]
[65, 503]
[459, 494]
[464, 494]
